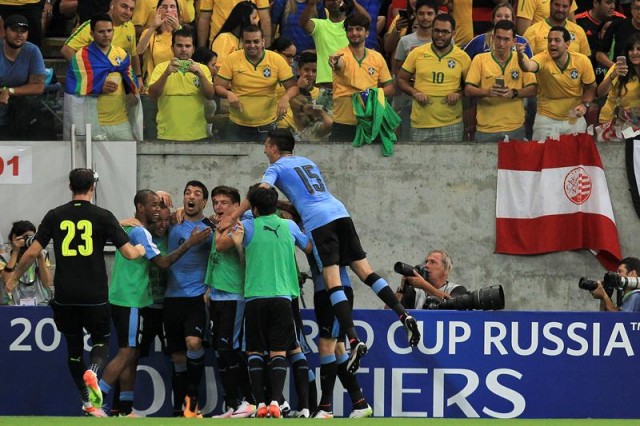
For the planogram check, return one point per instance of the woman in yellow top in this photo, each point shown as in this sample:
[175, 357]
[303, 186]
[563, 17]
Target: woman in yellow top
[622, 84]
[155, 42]
[228, 40]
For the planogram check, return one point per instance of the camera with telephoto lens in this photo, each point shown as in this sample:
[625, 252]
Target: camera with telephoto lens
[486, 299]
[610, 282]
[407, 270]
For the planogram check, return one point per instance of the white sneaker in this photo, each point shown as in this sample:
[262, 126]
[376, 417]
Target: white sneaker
[362, 413]
[321, 414]
[302, 414]
[285, 409]
[244, 410]
[225, 415]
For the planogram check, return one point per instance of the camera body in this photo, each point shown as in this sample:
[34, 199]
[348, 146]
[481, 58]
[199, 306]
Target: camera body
[611, 281]
[487, 298]
[407, 270]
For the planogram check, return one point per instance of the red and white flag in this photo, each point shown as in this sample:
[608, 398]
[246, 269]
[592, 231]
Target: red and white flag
[553, 196]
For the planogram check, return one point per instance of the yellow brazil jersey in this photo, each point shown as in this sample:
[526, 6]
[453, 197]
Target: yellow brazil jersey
[392, 27]
[181, 105]
[436, 76]
[145, 11]
[255, 85]
[224, 45]
[220, 11]
[628, 98]
[356, 76]
[483, 72]
[537, 35]
[158, 51]
[112, 107]
[537, 10]
[463, 15]
[124, 36]
[560, 88]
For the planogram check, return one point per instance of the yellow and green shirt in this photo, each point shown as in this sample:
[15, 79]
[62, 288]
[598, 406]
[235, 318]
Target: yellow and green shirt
[538, 10]
[158, 51]
[482, 74]
[224, 45]
[560, 88]
[354, 77]
[145, 11]
[124, 36]
[220, 11]
[436, 76]
[255, 85]
[628, 98]
[181, 106]
[537, 35]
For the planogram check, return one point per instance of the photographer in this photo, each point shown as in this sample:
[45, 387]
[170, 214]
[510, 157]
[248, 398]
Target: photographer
[413, 292]
[35, 286]
[628, 268]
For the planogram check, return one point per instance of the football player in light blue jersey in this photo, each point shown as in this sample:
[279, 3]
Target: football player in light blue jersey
[335, 239]
[184, 304]
[331, 348]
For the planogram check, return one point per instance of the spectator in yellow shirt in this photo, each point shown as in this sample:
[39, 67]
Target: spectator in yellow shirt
[439, 68]
[155, 42]
[537, 33]
[533, 11]
[621, 85]
[124, 35]
[500, 85]
[213, 13]
[228, 40]
[355, 70]
[181, 87]
[566, 86]
[248, 79]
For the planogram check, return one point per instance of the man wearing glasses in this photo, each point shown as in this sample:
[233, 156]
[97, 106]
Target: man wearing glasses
[254, 73]
[439, 69]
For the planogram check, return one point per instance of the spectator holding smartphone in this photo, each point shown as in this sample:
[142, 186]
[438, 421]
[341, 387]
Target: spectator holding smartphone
[500, 85]
[400, 26]
[621, 85]
[180, 85]
[155, 42]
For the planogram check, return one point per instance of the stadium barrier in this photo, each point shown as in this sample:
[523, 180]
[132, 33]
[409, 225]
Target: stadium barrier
[495, 364]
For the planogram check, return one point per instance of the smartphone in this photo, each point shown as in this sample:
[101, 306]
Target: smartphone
[184, 65]
[403, 14]
[622, 60]
[500, 81]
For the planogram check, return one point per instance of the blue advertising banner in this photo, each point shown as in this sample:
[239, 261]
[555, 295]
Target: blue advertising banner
[470, 364]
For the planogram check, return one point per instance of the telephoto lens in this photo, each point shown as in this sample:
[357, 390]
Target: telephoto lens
[587, 284]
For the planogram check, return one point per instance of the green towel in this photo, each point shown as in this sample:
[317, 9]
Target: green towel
[376, 117]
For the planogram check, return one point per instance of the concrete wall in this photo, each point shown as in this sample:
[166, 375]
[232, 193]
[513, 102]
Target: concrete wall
[422, 198]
